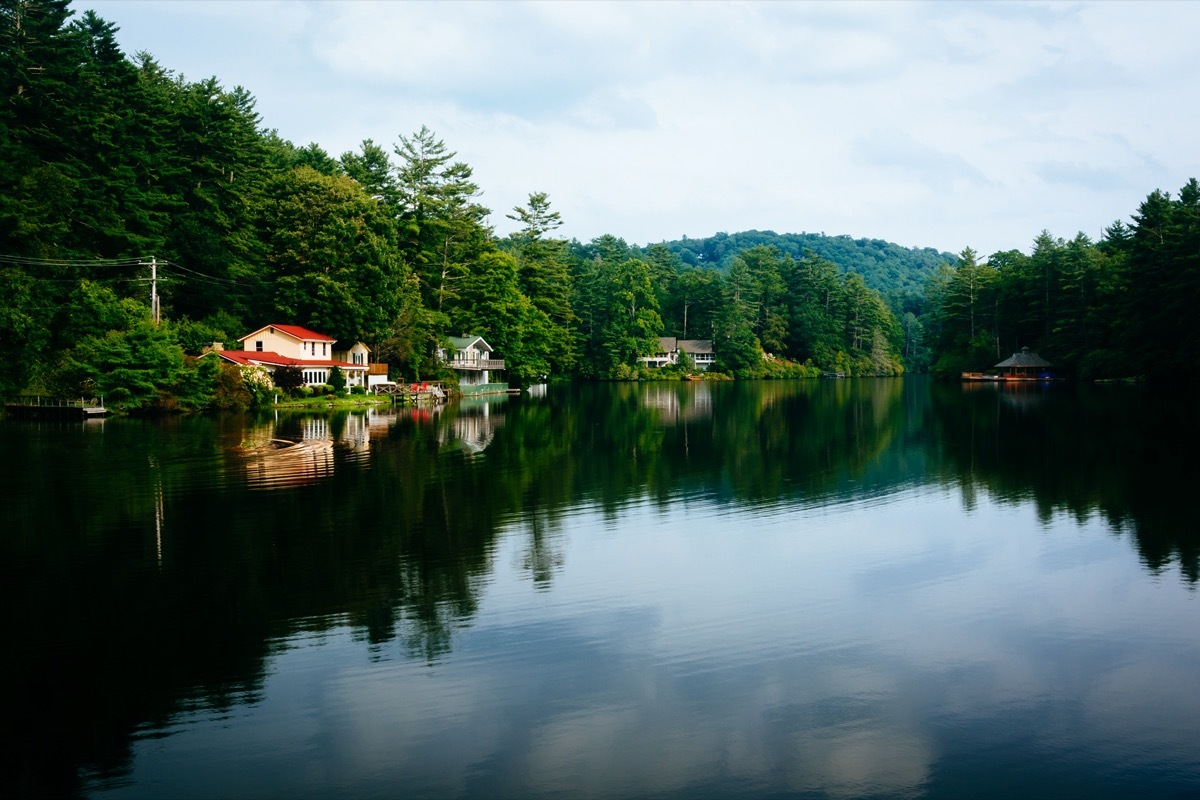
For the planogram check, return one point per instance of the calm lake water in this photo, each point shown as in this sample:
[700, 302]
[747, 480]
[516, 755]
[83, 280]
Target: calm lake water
[860, 588]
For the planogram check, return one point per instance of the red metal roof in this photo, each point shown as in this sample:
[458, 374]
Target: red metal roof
[245, 357]
[295, 331]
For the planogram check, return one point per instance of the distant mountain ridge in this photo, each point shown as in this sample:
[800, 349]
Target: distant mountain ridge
[889, 268]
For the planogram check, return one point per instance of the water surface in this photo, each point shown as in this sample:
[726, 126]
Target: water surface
[875, 588]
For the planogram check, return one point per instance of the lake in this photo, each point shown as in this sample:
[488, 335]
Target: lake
[810, 589]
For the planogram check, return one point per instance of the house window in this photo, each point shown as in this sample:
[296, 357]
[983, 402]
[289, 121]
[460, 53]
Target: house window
[322, 348]
[258, 346]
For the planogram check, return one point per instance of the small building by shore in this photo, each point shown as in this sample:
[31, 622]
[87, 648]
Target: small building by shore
[1025, 365]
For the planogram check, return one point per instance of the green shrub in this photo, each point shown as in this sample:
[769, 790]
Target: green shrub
[289, 378]
[337, 381]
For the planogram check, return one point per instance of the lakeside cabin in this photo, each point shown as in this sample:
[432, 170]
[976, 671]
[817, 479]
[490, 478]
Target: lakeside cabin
[314, 354]
[473, 359]
[671, 349]
[1022, 366]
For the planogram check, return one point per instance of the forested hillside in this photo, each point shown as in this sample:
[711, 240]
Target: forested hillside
[115, 170]
[887, 268]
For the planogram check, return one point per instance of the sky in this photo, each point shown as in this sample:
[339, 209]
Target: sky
[929, 124]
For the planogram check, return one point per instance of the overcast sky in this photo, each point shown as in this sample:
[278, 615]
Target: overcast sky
[947, 124]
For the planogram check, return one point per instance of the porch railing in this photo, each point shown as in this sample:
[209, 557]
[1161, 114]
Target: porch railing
[481, 364]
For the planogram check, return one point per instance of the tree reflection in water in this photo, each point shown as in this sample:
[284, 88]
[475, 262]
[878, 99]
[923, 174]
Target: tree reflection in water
[187, 550]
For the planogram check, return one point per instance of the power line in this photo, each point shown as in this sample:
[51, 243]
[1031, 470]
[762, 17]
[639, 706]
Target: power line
[212, 278]
[27, 261]
[40, 279]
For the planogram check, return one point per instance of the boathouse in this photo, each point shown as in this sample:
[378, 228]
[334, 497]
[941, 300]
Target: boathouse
[1025, 366]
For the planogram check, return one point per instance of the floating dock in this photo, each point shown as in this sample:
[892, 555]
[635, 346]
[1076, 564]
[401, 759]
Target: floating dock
[55, 409]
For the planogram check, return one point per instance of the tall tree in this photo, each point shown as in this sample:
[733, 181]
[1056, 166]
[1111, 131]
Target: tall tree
[39, 57]
[617, 306]
[495, 308]
[1163, 281]
[441, 225]
[693, 302]
[813, 288]
[372, 168]
[333, 252]
[544, 277]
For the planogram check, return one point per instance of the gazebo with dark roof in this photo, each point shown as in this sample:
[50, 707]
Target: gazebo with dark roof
[1025, 365]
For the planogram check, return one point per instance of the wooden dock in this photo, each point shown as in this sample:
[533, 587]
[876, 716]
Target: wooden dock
[51, 408]
[425, 392]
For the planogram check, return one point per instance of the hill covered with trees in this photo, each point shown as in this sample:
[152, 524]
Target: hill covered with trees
[115, 170]
[888, 268]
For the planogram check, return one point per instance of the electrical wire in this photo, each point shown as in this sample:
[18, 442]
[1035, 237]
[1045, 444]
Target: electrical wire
[27, 261]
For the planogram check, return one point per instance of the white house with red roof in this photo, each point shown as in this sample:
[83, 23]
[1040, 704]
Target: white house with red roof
[314, 354]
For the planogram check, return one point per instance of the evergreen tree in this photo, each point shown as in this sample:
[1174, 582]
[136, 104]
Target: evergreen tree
[617, 307]
[39, 184]
[544, 278]
[441, 226]
[372, 168]
[692, 304]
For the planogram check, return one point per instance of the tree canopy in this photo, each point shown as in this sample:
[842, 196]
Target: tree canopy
[115, 168]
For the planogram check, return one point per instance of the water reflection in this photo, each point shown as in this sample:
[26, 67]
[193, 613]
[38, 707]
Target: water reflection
[473, 425]
[678, 402]
[833, 588]
[296, 448]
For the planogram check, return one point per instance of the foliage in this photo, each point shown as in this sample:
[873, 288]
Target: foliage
[1096, 310]
[194, 336]
[886, 267]
[617, 307]
[231, 392]
[288, 379]
[337, 380]
[105, 159]
[332, 251]
[133, 369]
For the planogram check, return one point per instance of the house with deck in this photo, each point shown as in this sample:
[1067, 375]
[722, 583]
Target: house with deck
[670, 350]
[314, 354]
[472, 358]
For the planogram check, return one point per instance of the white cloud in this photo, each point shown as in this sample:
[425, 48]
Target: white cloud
[931, 124]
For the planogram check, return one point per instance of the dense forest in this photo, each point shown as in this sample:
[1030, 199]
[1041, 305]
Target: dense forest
[899, 273]
[115, 171]
[1108, 309]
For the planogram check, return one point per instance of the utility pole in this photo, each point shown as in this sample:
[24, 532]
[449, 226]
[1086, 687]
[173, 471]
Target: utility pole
[154, 310]
[154, 289]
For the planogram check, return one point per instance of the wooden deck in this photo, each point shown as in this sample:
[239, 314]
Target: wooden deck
[47, 408]
[425, 392]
